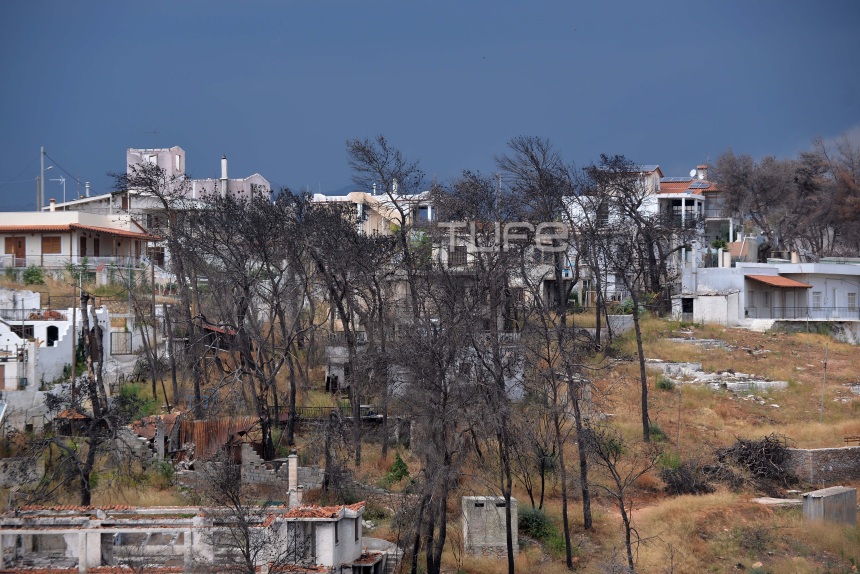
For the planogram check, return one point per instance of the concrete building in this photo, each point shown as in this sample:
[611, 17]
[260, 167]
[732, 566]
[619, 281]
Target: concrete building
[834, 504]
[306, 538]
[770, 292]
[484, 529]
[147, 211]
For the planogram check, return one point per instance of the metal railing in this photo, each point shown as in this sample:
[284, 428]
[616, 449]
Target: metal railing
[11, 314]
[63, 261]
[810, 313]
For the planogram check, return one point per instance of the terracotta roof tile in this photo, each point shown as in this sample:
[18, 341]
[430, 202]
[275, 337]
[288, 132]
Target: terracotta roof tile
[72, 226]
[779, 281]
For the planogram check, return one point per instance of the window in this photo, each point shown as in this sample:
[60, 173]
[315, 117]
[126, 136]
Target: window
[687, 305]
[423, 214]
[602, 215]
[53, 335]
[816, 299]
[457, 256]
[51, 245]
[357, 529]
[336, 532]
[751, 297]
[765, 299]
[852, 301]
[23, 331]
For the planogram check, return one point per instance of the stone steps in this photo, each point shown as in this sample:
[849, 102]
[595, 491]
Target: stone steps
[761, 325]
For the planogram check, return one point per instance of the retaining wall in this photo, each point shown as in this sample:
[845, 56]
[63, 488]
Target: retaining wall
[825, 465]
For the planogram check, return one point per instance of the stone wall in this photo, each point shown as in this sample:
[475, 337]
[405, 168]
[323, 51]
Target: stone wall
[827, 466]
[16, 471]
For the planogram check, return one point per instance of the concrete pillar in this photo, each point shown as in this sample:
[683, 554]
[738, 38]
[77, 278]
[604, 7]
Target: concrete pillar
[683, 210]
[293, 462]
[6, 541]
[202, 545]
[159, 438]
[188, 553]
[82, 551]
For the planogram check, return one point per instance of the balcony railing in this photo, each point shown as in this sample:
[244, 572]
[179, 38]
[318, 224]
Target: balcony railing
[18, 315]
[804, 313]
[62, 261]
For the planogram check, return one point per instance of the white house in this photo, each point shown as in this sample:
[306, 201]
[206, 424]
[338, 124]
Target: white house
[824, 291]
[147, 211]
[55, 239]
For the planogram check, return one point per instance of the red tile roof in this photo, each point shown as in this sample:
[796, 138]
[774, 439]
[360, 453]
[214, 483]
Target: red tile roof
[73, 226]
[674, 186]
[779, 281]
[321, 511]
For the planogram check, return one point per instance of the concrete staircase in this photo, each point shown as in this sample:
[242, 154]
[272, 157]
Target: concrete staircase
[761, 325]
[392, 560]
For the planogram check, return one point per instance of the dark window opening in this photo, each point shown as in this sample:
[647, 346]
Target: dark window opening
[687, 305]
[53, 335]
[457, 256]
[23, 331]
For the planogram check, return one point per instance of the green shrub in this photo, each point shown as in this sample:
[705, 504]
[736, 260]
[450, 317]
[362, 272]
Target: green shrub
[34, 275]
[398, 471]
[133, 403]
[669, 460]
[534, 523]
[665, 384]
[657, 434]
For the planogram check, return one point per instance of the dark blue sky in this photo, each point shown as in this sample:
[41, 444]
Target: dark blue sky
[279, 86]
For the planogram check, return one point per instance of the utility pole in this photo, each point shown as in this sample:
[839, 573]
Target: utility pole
[38, 179]
[40, 199]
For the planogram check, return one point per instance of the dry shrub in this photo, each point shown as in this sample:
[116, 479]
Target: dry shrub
[648, 482]
[756, 462]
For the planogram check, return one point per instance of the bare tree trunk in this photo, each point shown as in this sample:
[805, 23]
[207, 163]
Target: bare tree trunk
[562, 469]
[416, 542]
[291, 406]
[643, 377]
[172, 355]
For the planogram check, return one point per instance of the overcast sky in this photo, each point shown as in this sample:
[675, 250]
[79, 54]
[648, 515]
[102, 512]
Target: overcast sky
[278, 86]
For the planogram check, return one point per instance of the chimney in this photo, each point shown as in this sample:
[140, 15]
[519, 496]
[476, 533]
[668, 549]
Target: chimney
[702, 171]
[53, 203]
[88, 189]
[223, 176]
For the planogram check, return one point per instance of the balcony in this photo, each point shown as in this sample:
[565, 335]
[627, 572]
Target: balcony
[804, 313]
[62, 261]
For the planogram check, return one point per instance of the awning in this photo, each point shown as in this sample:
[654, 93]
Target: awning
[779, 281]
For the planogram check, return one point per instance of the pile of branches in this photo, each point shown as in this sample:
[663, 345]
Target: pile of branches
[688, 478]
[748, 463]
[756, 462]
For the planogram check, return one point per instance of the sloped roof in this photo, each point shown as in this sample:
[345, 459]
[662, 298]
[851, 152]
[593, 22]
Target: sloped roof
[73, 226]
[686, 184]
[778, 281]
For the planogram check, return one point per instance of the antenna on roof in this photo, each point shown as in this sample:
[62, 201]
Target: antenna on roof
[692, 173]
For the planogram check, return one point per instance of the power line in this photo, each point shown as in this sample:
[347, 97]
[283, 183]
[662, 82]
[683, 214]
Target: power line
[23, 171]
[18, 181]
[64, 170]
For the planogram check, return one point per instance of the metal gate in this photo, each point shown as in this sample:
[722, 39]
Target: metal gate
[120, 343]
